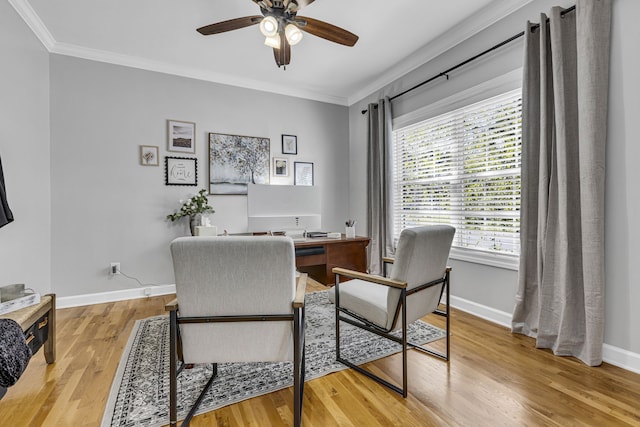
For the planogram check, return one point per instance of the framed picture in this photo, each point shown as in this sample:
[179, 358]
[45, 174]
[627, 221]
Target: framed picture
[235, 161]
[289, 144]
[280, 166]
[182, 136]
[180, 171]
[149, 155]
[303, 173]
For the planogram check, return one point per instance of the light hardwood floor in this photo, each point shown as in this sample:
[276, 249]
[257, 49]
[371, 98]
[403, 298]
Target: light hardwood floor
[494, 379]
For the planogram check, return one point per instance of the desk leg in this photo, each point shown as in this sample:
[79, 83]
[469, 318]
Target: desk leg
[50, 344]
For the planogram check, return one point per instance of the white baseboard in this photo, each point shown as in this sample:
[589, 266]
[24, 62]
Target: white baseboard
[487, 313]
[621, 358]
[610, 354]
[112, 296]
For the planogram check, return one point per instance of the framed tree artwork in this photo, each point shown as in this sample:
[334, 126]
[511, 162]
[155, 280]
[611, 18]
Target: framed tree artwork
[236, 161]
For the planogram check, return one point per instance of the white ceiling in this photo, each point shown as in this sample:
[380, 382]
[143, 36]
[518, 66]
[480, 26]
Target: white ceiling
[160, 35]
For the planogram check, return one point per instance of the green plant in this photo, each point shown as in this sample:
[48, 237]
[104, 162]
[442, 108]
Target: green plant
[198, 204]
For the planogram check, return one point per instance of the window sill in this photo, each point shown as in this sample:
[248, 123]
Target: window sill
[509, 262]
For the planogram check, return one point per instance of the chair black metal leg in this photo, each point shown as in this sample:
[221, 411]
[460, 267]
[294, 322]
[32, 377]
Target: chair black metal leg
[173, 374]
[404, 342]
[174, 352]
[372, 376]
[446, 313]
[298, 366]
[206, 388]
[303, 367]
[337, 307]
[448, 320]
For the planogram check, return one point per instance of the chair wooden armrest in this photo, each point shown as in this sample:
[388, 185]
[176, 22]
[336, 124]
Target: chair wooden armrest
[171, 305]
[388, 260]
[301, 287]
[369, 278]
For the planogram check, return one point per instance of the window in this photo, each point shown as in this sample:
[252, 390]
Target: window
[463, 168]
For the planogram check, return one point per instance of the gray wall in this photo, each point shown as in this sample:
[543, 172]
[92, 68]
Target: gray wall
[107, 207]
[496, 287]
[82, 172]
[25, 244]
[622, 199]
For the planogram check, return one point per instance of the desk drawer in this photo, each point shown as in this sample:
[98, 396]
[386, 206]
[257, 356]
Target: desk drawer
[311, 255]
[302, 261]
[37, 334]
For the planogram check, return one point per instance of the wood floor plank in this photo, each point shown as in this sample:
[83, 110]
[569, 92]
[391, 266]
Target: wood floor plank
[494, 378]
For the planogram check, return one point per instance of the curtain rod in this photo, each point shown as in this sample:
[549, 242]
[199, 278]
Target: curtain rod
[445, 73]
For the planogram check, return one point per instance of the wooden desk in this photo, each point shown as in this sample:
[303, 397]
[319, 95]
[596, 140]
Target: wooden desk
[317, 257]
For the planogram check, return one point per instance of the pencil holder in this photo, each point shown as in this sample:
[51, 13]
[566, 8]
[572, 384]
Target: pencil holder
[350, 232]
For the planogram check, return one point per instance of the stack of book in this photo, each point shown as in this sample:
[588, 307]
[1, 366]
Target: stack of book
[317, 234]
[15, 297]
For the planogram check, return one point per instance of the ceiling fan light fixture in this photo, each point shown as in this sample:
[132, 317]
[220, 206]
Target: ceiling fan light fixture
[269, 26]
[293, 34]
[272, 41]
[282, 27]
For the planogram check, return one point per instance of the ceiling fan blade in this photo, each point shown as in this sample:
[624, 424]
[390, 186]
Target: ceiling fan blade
[327, 31]
[231, 24]
[283, 55]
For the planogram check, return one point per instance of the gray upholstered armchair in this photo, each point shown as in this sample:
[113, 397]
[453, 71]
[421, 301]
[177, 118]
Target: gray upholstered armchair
[237, 301]
[414, 289]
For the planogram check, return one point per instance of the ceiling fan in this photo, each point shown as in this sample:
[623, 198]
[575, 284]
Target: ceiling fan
[281, 27]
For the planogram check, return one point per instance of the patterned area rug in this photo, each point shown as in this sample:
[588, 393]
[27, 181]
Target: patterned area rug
[140, 391]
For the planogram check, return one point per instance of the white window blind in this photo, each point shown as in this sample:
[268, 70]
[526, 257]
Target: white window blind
[463, 168]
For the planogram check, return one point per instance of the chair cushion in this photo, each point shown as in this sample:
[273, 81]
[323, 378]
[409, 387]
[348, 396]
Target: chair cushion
[367, 299]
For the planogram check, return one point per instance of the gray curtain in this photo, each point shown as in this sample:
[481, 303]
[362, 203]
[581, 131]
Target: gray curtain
[560, 298]
[379, 197]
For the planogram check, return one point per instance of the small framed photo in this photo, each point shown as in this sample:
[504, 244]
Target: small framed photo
[180, 171]
[303, 173]
[280, 166]
[149, 155]
[182, 136]
[289, 144]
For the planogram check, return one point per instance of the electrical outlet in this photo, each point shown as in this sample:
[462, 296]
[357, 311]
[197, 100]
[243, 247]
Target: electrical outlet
[114, 268]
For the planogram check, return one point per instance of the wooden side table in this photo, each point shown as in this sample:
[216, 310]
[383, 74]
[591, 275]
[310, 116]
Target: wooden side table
[34, 320]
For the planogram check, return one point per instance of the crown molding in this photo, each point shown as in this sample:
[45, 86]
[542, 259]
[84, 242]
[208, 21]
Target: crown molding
[466, 29]
[33, 21]
[31, 18]
[190, 72]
